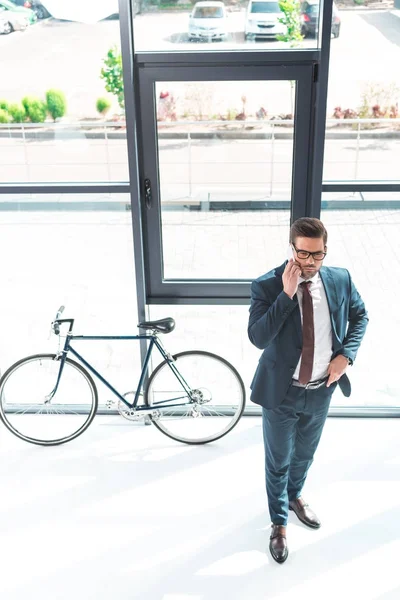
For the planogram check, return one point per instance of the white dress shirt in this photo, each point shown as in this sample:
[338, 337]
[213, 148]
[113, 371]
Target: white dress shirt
[322, 328]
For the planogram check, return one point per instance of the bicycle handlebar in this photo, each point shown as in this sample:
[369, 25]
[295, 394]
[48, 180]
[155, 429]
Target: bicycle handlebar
[55, 324]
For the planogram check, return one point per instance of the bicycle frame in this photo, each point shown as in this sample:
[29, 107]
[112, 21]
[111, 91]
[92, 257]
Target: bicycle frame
[154, 341]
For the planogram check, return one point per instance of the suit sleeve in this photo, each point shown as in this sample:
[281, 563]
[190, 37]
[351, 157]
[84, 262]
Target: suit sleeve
[267, 316]
[357, 323]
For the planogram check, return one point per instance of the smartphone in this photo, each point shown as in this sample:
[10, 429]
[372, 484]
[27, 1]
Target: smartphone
[290, 253]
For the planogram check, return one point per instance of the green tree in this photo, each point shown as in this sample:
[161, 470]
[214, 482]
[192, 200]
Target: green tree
[291, 20]
[56, 103]
[112, 75]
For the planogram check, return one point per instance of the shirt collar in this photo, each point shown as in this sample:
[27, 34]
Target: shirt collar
[313, 279]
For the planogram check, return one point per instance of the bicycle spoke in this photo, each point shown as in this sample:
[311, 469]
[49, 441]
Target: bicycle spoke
[213, 382]
[60, 416]
[212, 412]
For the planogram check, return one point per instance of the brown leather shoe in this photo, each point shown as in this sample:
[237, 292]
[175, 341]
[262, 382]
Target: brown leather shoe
[304, 513]
[278, 545]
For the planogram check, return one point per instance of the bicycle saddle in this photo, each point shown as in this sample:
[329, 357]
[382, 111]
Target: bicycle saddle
[163, 325]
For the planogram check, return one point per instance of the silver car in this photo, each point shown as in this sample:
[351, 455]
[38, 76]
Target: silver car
[263, 19]
[12, 21]
[208, 21]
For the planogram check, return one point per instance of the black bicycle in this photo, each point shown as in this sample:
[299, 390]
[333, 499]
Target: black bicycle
[194, 397]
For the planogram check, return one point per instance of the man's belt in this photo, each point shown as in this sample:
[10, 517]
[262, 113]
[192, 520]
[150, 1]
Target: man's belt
[311, 385]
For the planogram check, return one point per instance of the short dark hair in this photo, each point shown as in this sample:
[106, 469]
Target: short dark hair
[308, 227]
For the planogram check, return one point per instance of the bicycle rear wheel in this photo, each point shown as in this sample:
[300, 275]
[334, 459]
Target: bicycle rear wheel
[32, 411]
[211, 408]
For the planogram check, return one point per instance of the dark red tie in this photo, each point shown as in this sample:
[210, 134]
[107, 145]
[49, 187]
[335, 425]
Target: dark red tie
[307, 353]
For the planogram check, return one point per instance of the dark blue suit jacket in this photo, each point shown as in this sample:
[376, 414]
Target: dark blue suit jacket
[275, 328]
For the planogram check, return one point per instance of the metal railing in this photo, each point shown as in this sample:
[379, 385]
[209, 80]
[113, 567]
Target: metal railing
[35, 140]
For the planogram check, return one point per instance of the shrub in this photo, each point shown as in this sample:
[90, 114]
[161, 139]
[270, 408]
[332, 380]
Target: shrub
[112, 74]
[26, 101]
[17, 113]
[36, 110]
[56, 103]
[4, 116]
[103, 105]
[4, 105]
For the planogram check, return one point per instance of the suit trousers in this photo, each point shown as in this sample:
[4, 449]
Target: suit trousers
[291, 435]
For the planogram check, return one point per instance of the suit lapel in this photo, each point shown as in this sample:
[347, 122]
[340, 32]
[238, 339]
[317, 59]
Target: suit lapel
[331, 295]
[330, 288]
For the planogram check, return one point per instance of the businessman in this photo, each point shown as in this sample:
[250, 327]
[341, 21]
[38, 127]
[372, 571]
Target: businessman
[309, 321]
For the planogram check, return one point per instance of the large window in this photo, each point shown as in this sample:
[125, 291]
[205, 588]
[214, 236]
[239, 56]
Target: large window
[59, 125]
[223, 159]
[222, 106]
[366, 242]
[223, 329]
[231, 154]
[73, 251]
[171, 26]
[57, 120]
[363, 118]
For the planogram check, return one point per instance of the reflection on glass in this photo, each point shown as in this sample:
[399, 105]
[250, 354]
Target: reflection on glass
[225, 158]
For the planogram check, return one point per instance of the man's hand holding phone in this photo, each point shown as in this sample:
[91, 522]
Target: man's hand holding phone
[290, 278]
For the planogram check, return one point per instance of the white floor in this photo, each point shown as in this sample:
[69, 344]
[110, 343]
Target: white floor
[124, 513]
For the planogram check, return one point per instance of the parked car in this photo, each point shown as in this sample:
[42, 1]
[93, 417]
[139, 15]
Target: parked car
[309, 10]
[21, 10]
[38, 8]
[208, 21]
[12, 21]
[262, 20]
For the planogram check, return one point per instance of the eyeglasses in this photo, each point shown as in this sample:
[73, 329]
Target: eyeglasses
[303, 254]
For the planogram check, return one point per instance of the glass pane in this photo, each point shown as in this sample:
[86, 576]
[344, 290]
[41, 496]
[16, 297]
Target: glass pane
[365, 241]
[75, 251]
[225, 159]
[363, 125]
[223, 330]
[169, 25]
[57, 120]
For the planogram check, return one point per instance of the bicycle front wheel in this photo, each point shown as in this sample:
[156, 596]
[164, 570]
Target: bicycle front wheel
[36, 410]
[209, 407]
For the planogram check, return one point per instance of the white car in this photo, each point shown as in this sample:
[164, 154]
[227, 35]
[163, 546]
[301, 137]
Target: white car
[12, 21]
[262, 20]
[208, 21]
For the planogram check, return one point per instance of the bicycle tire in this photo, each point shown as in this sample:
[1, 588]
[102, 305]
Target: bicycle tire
[236, 380]
[6, 415]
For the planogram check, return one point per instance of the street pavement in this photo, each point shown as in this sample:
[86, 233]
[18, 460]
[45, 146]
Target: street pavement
[69, 55]
[225, 168]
